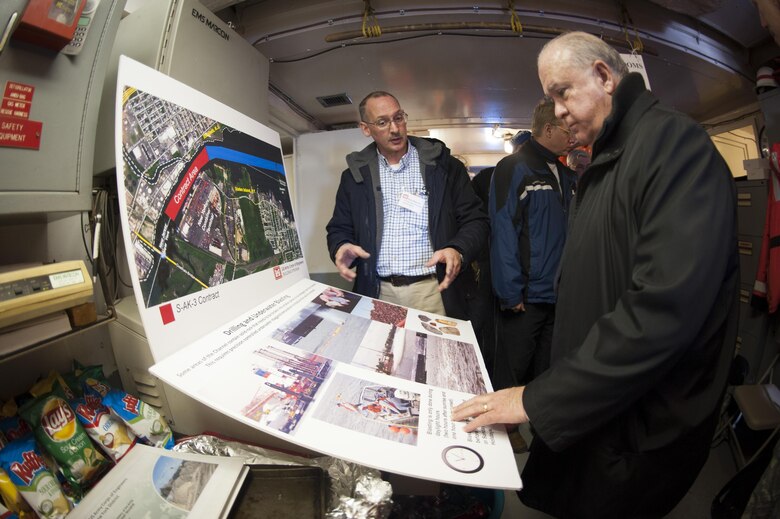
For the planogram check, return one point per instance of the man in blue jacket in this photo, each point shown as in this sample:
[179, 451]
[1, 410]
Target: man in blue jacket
[529, 200]
[406, 217]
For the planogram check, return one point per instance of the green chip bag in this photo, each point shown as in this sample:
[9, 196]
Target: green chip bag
[61, 435]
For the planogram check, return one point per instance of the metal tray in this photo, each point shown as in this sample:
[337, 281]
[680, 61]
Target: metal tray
[282, 492]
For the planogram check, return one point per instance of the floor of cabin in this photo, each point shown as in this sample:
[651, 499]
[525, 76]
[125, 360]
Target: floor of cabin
[720, 467]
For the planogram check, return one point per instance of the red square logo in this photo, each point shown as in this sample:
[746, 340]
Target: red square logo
[166, 312]
[277, 272]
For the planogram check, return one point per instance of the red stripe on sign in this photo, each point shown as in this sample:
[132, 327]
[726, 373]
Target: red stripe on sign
[183, 189]
[20, 133]
[166, 312]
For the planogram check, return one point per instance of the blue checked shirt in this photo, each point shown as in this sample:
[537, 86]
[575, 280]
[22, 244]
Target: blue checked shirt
[406, 246]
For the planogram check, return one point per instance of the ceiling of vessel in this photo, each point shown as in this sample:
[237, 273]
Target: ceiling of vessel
[459, 64]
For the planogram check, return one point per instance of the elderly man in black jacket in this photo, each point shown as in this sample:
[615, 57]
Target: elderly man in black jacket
[646, 322]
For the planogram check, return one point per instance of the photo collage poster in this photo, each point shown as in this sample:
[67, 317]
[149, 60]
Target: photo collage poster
[209, 227]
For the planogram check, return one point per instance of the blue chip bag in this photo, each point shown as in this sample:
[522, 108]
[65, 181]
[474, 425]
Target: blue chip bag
[144, 420]
[24, 465]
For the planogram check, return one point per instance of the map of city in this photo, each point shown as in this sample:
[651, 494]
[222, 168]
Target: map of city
[207, 204]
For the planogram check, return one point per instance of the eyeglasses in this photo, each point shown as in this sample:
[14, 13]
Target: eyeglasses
[565, 130]
[382, 124]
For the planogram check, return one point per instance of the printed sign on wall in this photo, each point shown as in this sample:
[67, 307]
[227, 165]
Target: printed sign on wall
[635, 63]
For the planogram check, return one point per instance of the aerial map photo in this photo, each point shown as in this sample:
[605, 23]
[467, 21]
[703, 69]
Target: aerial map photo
[206, 204]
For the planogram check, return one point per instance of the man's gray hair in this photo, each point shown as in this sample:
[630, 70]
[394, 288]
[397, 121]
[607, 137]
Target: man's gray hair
[585, 49]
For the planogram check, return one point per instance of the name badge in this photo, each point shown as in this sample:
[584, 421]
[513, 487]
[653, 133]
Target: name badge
[414, 203]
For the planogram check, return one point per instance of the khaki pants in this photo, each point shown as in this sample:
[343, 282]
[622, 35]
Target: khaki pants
[423, 295]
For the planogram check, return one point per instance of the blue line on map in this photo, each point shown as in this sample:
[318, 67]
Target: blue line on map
[218, 152]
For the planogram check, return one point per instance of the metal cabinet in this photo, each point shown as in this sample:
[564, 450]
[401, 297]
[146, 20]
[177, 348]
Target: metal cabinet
[57, 177]
[753, 324]
[769, 102]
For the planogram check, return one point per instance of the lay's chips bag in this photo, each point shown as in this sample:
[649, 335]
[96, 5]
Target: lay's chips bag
[59, 433]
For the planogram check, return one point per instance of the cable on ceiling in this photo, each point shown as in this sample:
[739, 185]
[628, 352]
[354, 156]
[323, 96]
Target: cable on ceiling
[371, 27]
[626, 21]
[514, 19]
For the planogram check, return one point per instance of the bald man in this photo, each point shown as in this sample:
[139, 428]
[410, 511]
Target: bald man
[645, 322]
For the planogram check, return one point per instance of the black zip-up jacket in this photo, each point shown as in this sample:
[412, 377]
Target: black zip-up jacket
[455, 217]
[645, 324]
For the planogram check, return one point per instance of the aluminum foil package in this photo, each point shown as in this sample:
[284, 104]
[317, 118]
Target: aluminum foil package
[354, 491]
[215, 446]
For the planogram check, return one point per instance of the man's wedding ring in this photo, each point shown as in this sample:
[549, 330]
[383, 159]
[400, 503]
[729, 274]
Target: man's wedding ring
[484, 408]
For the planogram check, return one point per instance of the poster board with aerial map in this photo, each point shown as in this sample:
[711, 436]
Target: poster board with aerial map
[235, 322]
[206, 209]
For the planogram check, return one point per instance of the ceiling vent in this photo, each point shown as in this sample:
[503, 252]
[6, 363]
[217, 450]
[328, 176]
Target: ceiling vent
[334, 100]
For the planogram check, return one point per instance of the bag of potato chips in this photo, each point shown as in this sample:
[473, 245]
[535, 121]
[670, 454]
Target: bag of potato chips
[144, 420]
[6, 513]
[93, 384]
[53, 381]
[61, 435]
[13, 428]
[106, 430]
[25, 467]
[12, 498]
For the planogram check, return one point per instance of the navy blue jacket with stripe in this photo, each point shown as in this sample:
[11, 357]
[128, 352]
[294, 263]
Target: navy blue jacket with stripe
[528, 213]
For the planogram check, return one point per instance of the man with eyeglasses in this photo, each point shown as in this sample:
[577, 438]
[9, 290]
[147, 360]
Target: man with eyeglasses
[529, 200]
[406, 218]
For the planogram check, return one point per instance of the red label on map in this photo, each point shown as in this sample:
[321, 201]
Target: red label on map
[166, 312]
[183, 189]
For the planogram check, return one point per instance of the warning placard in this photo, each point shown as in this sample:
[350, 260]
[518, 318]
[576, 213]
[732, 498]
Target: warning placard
[20, 133]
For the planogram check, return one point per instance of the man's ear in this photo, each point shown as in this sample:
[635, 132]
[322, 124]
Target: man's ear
[604, 76]
[365, 128]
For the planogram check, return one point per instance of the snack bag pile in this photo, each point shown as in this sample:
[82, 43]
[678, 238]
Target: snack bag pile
[59, 439]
